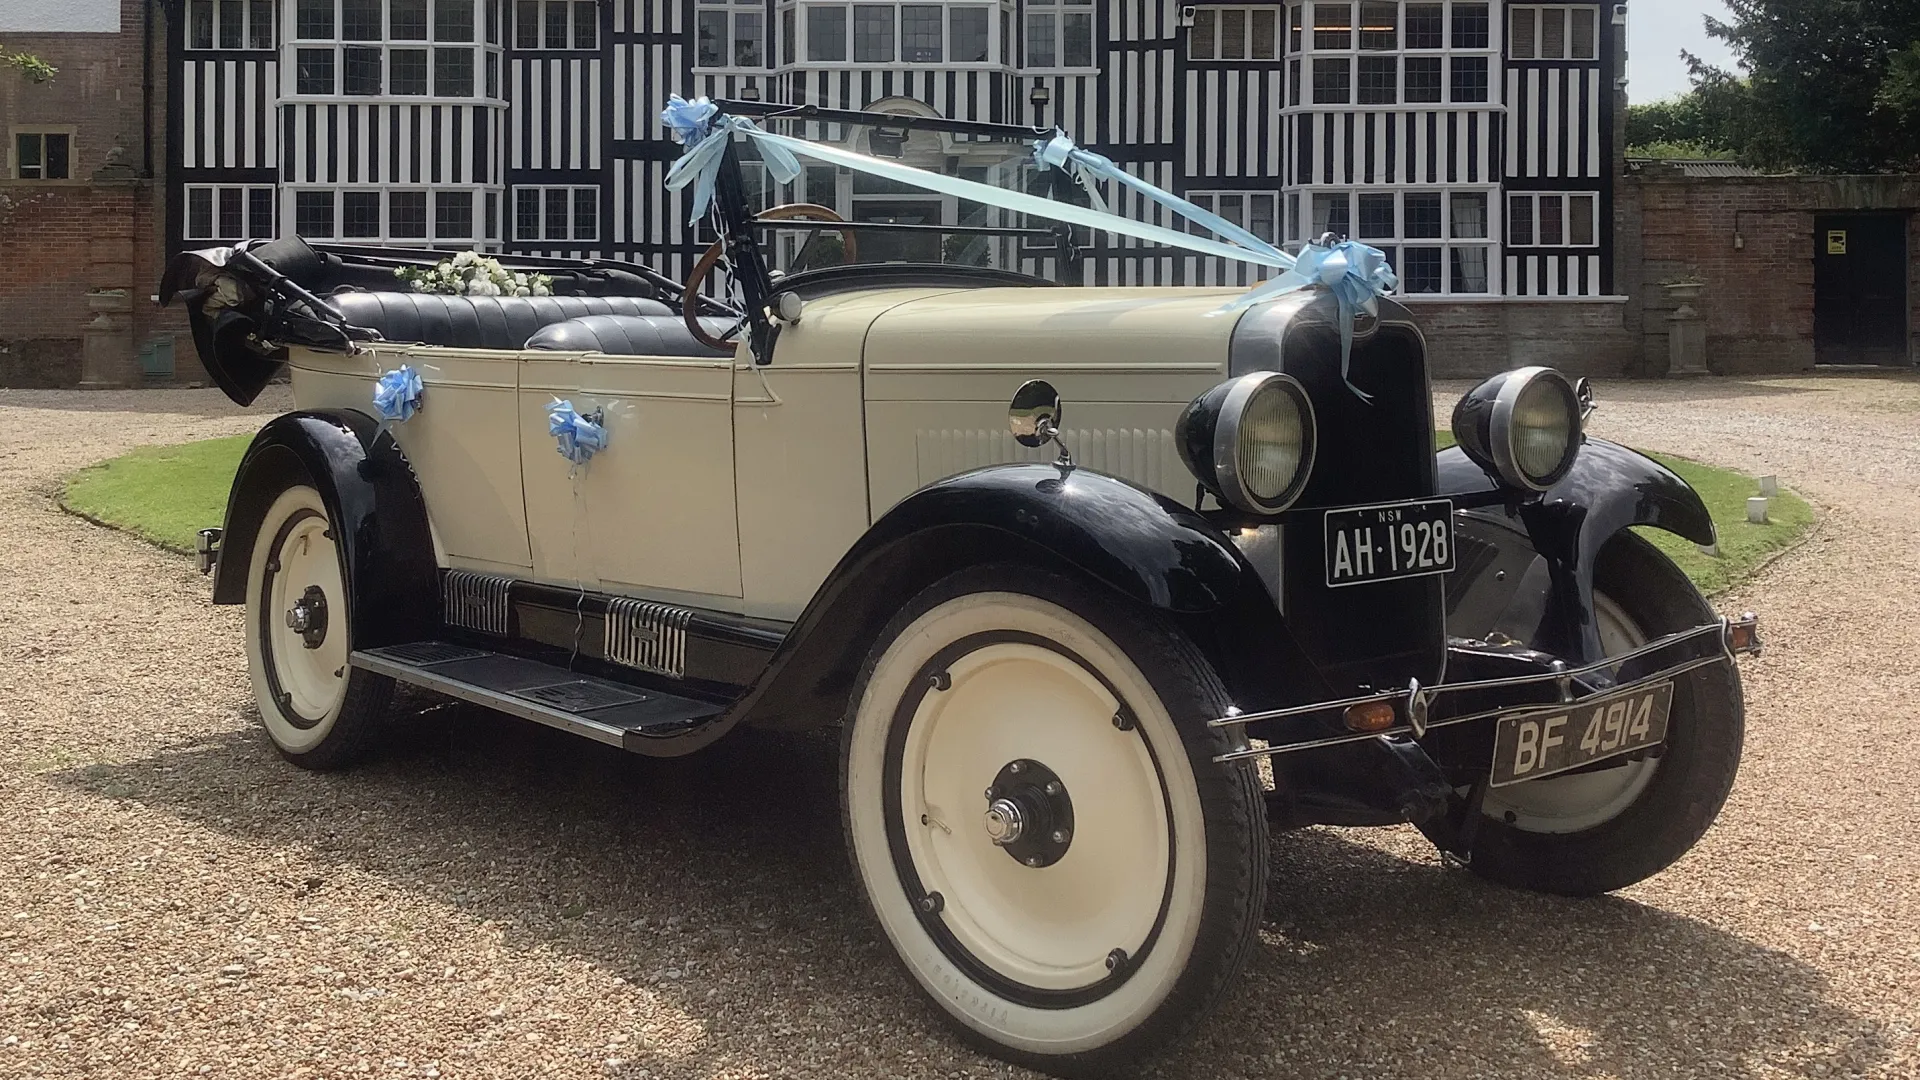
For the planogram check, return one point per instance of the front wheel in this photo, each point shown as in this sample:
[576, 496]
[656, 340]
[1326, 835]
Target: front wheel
[1033, 809]
[1592, 832]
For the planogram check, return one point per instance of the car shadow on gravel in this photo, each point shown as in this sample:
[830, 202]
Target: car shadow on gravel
[719, 883]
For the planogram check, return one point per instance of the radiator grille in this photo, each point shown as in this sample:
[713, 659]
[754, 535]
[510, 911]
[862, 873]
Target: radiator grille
[1145, 456]
[476, 601]
[651, 637]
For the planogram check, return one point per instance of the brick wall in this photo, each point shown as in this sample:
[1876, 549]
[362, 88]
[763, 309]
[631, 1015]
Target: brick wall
[1478, 338]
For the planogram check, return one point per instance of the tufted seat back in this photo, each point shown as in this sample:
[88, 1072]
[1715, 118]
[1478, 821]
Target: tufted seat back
[628, 335]
[478, 322]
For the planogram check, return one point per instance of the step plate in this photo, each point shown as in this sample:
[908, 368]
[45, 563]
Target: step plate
[600, 709]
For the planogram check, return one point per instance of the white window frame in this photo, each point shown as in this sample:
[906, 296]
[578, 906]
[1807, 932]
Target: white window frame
[476, 237]
[42, 131]
[575, 8]
[572, 190]
[216, 12]
[997, 47]
[1399, 241]
[1209, 26]
[1568, 13]
[212, 231]
[1565, 199]
[486, 56]
[1300, 55]
[730, 11]
[1211, 201]
[1058, 11]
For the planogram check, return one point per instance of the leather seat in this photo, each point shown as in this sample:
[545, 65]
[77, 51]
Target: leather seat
[628, 335]
[479, 322]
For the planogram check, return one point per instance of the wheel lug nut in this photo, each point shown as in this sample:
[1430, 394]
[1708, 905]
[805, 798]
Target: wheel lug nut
[1016, 768]
[1059, 836]
[1053, 787]
[1033, 860]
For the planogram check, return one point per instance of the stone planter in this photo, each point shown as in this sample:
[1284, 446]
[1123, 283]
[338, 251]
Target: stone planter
[1685, 292]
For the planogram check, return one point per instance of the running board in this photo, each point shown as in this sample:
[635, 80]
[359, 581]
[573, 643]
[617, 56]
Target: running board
[600, 709]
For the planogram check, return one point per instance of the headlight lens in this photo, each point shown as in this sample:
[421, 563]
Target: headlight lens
[1523, 426]
[1250, 441]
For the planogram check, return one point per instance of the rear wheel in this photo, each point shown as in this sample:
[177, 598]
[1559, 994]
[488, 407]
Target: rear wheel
[1592, 832]
[320, 711]
[1061, 866]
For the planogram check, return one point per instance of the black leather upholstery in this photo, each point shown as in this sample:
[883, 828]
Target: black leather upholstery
[628, 335]
[479, 322]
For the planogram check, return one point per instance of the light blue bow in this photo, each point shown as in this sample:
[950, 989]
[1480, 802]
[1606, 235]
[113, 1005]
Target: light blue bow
[396, 396]
[694, 124]
[1357, 276]
[578, 437]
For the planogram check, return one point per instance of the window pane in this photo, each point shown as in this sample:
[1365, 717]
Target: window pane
[746, 39]
[1040, 44]
[1377, 217]
[233, 213]
[1423, 215]
[873, 33]
[407, 214]
[968, 35]
[1379, 80]
[493, 75]
[260, 24]
[1469, 26]
[526, 213]
[453, 20]
[1233, 207]
[233, 23]
[453, 215]
[1423, 78]
[1332, 213]
[1293, 82]
[1294, 35]
[1332, 80]
[1553, 231]
[27, 162]
[200, 213]
[1469, 78]
[1580, 214]
[1553, 34]
[1469, 269]
[1233, 34]
[556, 213]
[1469, 216]
[200, 25]
[586, 213]
[1293, 217]
[313, 20]
[57, 166]
[313, 214]
[453, 72]
[1520, 220]
[1582, 33]
[1380, 27]
[492, 9]
[407, 71]
[1520, 33]
[360, 213]
[1199, 37]
[492, 213]
[789, 35]
[586, 25]
[360, 20]
[710, 30]
[1263, 45]
[407, 20]
[1076, 46]
[361, 69]
[556, 24]
[1260, 215]
[920, 33]
[1332, 26]
[1420, 270]
[1425, 23]
[260, 212]
[314, 73]
[526, 24]
[826, 33]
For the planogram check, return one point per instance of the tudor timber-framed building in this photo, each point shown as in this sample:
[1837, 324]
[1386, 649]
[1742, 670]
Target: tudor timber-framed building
[1475, 141]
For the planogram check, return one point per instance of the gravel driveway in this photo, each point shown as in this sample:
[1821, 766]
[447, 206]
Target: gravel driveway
[491, 899]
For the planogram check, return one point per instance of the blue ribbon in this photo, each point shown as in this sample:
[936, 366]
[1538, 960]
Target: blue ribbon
[1357, 275]
[396, 396]
[578, 437]
[694, 125]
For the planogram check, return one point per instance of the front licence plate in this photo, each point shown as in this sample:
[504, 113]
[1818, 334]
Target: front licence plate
[1393, 540]
[1536, 744]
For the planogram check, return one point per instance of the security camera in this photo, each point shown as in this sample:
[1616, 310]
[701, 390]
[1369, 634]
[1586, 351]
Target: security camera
[1619, 14]
[1187, 12]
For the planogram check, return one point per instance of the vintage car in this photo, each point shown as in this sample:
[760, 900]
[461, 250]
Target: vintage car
[1101, 587]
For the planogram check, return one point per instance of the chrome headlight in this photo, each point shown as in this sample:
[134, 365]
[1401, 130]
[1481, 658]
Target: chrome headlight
[1523, 426]
[1250, 441]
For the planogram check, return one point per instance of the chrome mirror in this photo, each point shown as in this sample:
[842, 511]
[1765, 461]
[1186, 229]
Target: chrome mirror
[1583, 393]
[1034, 416]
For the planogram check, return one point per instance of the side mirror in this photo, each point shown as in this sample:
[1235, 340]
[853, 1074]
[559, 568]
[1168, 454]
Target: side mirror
[1034, 416]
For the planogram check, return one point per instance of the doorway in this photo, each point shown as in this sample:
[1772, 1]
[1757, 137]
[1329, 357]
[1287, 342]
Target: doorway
[1860, 289]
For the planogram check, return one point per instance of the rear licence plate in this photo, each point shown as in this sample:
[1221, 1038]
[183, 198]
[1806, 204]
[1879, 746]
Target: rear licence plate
[1395, 540]
[1536, 744]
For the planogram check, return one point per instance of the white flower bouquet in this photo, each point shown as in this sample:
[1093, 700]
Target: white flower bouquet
[473, 274]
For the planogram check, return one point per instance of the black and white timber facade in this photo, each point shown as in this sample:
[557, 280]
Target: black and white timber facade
[1474, 141]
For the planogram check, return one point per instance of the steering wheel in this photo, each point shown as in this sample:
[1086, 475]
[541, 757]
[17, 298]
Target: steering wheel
[690, 299]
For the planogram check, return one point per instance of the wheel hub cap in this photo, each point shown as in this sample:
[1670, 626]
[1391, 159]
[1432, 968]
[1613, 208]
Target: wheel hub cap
[1005, 822]
[1029, 813]
[308, 617]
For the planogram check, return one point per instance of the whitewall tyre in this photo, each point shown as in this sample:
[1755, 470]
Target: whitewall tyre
[320, 712]
[1062, 867]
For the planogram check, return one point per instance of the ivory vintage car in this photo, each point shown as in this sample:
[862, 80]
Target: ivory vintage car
[1063, 564]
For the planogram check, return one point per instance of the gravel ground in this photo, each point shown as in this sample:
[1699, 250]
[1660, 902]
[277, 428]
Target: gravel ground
[492, 899]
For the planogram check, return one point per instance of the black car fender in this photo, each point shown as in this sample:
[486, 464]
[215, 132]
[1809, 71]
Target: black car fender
[1525, 563]
[1076, 522]
[373, 501]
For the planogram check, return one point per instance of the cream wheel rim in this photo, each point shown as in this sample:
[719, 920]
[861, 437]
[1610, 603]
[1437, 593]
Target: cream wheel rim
[1074, 923]
[306, 671]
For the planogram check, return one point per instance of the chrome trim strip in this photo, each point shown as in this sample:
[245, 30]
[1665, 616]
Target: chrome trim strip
[475, 601]
[524, 708]
[648, 636]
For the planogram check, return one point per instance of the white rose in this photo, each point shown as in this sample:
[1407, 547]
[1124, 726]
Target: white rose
[465, 258]
[520, 280]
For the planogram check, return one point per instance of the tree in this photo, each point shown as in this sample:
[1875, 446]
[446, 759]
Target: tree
[30, 65]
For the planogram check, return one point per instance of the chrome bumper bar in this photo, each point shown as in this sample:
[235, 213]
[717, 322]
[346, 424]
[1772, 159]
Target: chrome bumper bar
[1413, 706]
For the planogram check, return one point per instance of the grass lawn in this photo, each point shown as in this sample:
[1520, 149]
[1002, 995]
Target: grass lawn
[167, 494]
